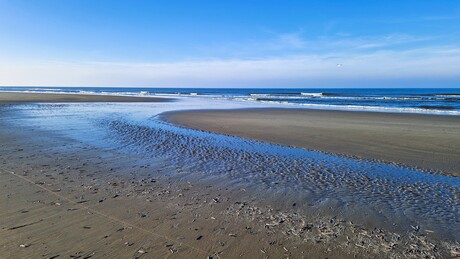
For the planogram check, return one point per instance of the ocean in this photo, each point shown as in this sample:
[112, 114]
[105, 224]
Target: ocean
[444, 101]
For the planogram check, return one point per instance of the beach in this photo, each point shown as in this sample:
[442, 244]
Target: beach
[62, 198]
[424, 141]
[229, 129]
[95, 180]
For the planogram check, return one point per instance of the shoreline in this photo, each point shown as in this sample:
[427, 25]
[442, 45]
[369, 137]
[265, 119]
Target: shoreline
[417, 140]
[98, 204]
[106, 201]
[17, 97]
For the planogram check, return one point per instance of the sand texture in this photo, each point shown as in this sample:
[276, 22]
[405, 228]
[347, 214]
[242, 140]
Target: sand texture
[424, 141]
[61, 197]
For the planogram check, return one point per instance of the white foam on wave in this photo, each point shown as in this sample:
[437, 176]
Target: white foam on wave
[260, 95]
[448, 95]
[271, 99]
[312, 94]
[354, 107]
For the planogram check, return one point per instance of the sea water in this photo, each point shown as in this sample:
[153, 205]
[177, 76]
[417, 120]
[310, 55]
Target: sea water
[444, 101]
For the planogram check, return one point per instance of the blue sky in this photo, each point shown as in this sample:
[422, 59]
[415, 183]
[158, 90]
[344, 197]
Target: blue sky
[248, 43]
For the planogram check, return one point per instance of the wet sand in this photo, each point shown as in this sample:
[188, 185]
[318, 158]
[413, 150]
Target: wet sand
[12, 97]
[423, 141]
[61, 197]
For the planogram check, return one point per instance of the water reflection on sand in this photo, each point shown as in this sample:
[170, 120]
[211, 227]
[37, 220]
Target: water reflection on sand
[384, 194]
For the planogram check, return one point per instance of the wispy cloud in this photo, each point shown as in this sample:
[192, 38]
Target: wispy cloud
[416, 19]
[382, 41]
[295, 43]
[292, 40]
[282, 57]
[434, 63]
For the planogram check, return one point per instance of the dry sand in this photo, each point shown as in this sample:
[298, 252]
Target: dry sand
[13, 97]
[424, 141]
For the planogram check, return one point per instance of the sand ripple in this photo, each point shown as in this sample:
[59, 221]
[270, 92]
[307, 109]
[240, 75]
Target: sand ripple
[370, 191]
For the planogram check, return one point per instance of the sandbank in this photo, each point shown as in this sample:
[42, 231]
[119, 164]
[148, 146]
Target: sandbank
[423, 141]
